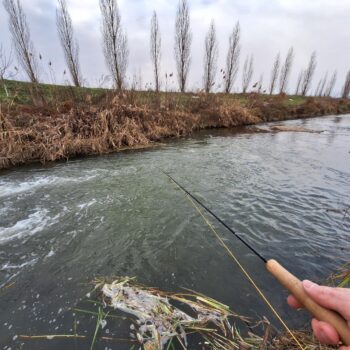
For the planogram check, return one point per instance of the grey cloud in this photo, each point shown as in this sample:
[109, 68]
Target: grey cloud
[268, 26]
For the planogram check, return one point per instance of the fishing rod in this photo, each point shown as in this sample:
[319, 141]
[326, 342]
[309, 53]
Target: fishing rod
[284, 277]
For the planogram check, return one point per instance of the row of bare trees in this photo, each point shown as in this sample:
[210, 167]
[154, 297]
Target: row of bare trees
[116, 53]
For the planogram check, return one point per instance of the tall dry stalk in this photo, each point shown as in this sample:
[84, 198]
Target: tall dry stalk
[285, 70]
[346, 86]
[183, 40]
[260, 84]
[232, 59]
[323, 85]
[22, 42]
[275, 72]
[331, 83]
[156, 49]
[210, 58]
[318, 88]
[308, 74]
[248, 70]
[300, 79]
[115, 42]
[69, 45]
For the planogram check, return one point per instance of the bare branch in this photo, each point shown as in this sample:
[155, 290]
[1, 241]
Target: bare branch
[210, 58]
[285, 70]
[183, 40]
[115, 42]
[248, 71]
[346, 86]
[275, 72]
[308, 74]
[155, 49]
[69, 45]
[5, 63]
[232, 59]
[331, 83]
[21, 39]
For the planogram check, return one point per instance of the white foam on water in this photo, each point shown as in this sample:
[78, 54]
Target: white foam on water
[9, 188]
[87, 204]
[7, 266]
[50, 253]
[13, 270]
[33, 224]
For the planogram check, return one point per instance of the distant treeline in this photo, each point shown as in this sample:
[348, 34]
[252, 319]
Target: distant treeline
[116, 53]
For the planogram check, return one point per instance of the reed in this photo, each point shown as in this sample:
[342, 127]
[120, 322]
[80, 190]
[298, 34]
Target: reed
[63, 122]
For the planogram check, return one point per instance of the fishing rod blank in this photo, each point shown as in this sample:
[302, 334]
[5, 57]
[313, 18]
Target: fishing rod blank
[221, 221]
[288, 280]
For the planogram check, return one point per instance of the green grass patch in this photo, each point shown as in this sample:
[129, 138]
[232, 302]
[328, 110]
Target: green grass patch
[26, 93]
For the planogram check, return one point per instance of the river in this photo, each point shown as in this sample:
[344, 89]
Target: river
[63, 224]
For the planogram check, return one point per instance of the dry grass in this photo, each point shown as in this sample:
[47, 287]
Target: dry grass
[341, 278]
[49, 131]
[163, 319]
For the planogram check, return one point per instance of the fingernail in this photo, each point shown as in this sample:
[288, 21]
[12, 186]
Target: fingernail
[308, 284]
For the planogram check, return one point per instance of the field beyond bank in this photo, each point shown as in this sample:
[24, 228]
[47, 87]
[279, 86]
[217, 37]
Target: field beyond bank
[43, 123]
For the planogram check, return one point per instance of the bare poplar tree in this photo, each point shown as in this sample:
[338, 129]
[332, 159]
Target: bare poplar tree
[248, 70]
[183, 40]
[346, 87]
[285, 70]
[115, 42]
[21, 39]
[331, 84]
[323, 85]
[308, 74]
[232, 59]
[300, 79]
[155, 49]
[5, 63]
[69, 45]
[275, 72]
[210, 58]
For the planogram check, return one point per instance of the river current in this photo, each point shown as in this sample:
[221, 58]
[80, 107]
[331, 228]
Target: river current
[63, 224]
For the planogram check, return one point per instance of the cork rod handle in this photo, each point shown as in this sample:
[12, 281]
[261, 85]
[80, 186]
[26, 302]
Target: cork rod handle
[295, 287]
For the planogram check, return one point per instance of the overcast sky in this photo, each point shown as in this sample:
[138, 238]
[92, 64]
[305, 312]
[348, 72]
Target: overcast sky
[267, 27]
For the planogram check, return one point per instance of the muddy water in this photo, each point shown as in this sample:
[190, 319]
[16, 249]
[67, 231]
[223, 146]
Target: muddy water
[64, 224]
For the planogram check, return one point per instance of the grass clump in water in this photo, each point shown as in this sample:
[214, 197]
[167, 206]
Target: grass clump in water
[163, 319]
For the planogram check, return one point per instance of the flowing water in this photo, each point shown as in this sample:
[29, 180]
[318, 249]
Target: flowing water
[64, 224]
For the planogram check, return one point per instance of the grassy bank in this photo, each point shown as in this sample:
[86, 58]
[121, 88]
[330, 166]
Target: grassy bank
[42, 123]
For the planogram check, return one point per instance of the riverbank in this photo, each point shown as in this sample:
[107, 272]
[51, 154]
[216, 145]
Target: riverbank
[49, 123]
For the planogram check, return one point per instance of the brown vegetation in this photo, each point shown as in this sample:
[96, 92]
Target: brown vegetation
[65, 130]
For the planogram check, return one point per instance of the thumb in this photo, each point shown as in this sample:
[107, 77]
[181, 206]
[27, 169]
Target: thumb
[337, 299]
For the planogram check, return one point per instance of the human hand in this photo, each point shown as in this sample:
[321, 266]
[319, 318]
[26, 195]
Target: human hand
[337, 299]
